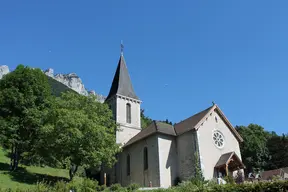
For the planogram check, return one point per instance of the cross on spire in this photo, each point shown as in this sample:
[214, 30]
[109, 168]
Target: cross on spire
[122, 47]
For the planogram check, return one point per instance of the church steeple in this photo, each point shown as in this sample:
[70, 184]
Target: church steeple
[121, 84]
[125, 105]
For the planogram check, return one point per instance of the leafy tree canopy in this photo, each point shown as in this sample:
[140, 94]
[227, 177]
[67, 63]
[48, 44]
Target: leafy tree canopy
[262, 150]
[24, 100]
[278, 151]
[81, 131]
[254, 150]
[145, 120]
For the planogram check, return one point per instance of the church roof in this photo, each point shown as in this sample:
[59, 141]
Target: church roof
[154, 127]
[267, 175]
[194, 121]
[122, 83]
[189, 123]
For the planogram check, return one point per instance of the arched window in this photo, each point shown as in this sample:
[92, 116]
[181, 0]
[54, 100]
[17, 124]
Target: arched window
[128, 164]
[128, 113]
[145, 158]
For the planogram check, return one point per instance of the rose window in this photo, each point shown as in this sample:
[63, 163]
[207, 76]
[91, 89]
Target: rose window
[218, 139]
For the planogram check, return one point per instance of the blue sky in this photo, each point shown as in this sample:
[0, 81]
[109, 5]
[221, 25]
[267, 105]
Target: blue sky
[181, 55]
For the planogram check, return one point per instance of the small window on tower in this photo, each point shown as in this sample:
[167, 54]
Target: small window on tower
[128, 113]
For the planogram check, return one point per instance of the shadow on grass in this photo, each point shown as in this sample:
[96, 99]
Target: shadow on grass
[21, 175]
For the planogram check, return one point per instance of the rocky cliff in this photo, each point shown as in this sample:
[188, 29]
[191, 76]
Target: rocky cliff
[70, 80]
[4, 69]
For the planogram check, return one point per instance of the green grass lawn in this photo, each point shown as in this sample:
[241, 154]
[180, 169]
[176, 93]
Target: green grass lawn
[27, 176]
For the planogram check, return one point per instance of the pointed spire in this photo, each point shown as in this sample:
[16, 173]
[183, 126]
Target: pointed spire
[122, 83]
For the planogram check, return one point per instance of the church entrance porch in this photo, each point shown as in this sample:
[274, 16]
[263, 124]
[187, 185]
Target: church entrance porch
[228, 164]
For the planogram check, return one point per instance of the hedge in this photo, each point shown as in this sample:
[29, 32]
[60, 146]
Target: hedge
[89, 185]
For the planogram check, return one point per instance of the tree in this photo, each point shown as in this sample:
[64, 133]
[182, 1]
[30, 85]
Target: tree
[278, 150]
[24, 100]
[145, 121]
[81, 131]
[167, 122]
[254, 150]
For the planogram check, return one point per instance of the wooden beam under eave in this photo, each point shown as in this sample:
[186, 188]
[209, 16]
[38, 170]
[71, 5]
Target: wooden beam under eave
[226, 170]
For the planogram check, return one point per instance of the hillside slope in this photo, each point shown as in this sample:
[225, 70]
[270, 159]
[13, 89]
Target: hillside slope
[27, 176]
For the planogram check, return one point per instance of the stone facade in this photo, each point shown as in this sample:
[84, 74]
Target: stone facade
[186, 149]
[127, 130]
[168, 164]
[137, 172]
[209, 153]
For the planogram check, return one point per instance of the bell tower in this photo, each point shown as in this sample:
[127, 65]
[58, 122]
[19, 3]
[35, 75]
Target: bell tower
[124, 103]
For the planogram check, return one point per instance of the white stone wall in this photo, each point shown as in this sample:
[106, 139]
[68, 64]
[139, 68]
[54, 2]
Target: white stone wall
[209, 153]
[125, 133]
[285, 176]
[137, 173]
[167, 160]
[127, 130]
[186, 147]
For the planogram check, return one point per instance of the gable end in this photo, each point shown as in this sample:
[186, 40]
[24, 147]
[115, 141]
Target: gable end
[225, 120]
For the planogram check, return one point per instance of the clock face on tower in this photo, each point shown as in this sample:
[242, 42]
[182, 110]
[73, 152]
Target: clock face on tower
[218, 139]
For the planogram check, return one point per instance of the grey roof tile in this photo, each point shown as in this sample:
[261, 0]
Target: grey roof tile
[154, 127]
[224, 159]
[267, 175]
[190, 123]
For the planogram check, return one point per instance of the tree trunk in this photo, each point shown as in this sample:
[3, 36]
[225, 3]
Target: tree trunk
[72, 171]
[11, 158]
[14, 159]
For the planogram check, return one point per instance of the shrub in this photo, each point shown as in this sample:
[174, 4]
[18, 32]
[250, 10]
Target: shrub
[87, 185]
[229, 179]
[187, 186]
[115, 187]
[253, 187]
[61, 186]
[81, 172]
[42, 187]
[133, 187]
[101, 188]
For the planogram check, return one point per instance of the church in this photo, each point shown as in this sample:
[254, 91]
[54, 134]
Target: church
[162, 154]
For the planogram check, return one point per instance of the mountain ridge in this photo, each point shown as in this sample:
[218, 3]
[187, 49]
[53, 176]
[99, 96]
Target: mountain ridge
[62, 82]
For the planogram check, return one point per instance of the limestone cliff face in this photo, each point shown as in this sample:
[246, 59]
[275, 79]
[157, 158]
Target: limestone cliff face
[4, 69]
[71, 80]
